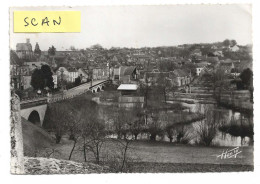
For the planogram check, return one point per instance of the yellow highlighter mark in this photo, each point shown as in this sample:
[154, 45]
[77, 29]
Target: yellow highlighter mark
[47, 21]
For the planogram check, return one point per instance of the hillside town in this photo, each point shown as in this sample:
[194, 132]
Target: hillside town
[180, 65]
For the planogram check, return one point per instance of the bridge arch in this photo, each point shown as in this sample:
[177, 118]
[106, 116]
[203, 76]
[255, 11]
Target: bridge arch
[33, 113]
[34, 117]
[98, 89]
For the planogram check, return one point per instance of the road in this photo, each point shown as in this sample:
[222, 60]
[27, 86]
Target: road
[85, 86]
[71, 93]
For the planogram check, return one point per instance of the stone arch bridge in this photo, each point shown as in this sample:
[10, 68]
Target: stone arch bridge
[34, 109]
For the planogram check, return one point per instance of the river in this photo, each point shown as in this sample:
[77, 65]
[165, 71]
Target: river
[221, 139]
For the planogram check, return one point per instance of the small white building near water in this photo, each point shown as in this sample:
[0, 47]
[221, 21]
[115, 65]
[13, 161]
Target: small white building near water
[129, 97]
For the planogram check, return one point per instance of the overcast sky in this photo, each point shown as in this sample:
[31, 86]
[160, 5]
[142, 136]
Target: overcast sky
[139, 26]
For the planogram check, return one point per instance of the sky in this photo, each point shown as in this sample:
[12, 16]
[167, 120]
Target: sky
[147, 26]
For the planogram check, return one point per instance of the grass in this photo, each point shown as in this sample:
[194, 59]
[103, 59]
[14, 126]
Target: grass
[165, 152]
[153, 167]
[146, 156]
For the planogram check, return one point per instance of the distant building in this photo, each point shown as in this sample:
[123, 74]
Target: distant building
[125, 74]
[235, 48]
[35, 65]
[200, 67]
[218, 53]
[180, 77]
[129, 97]
[196, 52]
[55, 80]
[83, 74]
[227, 65]
[24, 50]
[177, 77]
[65, 74]
[101, 73]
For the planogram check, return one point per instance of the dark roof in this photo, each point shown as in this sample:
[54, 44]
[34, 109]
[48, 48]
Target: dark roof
[127, 70]
[180, 73]
[157, 74]
[202, 64]
[72, 69]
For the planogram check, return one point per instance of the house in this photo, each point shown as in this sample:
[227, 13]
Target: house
[100, 73]
[152, 77]
[180, 77]
[128, 74]
[234, 48]
[35, 65]
[218, 53]
[68, 75]
[227, 65]
[73, 74]
[200, 67]
[129, 96]
[196, 52]
[125, 74]
[55, 80]
[83, 74]
[17, 71]
[177, 77]
[24, 50]
[26, 81]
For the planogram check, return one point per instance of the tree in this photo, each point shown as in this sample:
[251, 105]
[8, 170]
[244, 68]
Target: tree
[226, 42]
[96, 47]
[52, 51]
[138, 122]
[154, 127]
[95, 138]
[93, 132]
[58, 118]
[163, 85]
[233, 42]
[77, 81]
[42, 78]
[123, 122]
[207, 129]
[37, 81]
[47, 76]
[37, 50]
[247, 78]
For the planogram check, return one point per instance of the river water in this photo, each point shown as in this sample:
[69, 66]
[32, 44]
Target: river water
[221, 139]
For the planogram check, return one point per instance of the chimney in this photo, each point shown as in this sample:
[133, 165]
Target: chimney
[27, 40]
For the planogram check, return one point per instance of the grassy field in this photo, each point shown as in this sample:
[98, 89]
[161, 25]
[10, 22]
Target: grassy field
[145, 156]
[154, 167]
[164, 152]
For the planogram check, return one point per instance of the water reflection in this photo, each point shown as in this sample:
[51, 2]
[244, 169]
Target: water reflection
[224, 117]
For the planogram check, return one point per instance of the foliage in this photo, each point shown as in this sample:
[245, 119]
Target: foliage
[37, 81]
[154, 127]
[52, 51]
[77, 81]
[57, 118]
[37, 50]
[207, 129]
[42, 78]
[247, 78]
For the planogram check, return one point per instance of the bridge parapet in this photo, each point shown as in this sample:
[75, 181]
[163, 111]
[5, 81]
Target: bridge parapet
[33, 102]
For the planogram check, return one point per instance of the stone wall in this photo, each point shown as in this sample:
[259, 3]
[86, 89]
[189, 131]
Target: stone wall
[17, 157]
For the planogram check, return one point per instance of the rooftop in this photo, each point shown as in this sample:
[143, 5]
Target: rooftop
[127, 87]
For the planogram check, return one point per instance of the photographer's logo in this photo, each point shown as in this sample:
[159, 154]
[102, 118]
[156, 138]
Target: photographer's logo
[229, 153]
